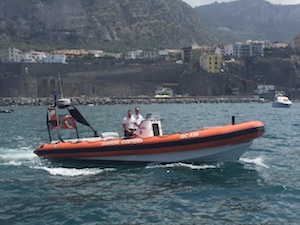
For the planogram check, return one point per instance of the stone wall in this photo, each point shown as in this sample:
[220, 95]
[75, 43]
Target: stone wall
[89, 79]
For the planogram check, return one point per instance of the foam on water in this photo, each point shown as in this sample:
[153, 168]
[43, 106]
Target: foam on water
[23, 153]
[259, 161]
[12, 163]
[191, 166]
[72, 172]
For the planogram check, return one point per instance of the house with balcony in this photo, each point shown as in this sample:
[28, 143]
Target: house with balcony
[251, 49]
[296, 43]
[137, 54]
[150, 55]
[10, 55]
[50, 58]
[212, 63]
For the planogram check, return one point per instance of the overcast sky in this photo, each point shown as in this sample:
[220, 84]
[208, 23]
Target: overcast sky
[206, 2]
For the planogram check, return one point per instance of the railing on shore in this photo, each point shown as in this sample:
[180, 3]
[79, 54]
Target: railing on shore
[19, 101]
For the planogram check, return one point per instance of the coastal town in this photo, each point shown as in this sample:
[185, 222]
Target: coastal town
[209, 59]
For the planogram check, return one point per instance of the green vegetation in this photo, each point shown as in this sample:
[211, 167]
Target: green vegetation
[251, 19]
[111, 26]
[175, 57]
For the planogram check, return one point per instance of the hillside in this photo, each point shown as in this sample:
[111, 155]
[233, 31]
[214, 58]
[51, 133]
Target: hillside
[103, 24]
[252, 19]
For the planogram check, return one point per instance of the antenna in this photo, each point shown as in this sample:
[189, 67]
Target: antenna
[60, 86]
[62, 102]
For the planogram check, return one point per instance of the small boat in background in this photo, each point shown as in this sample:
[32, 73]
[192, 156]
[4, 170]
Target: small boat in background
[6, 110]
[281, 100]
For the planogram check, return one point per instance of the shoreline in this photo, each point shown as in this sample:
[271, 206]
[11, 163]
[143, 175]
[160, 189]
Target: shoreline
[33, 101]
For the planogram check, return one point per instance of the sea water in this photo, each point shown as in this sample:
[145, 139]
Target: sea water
[262, 187]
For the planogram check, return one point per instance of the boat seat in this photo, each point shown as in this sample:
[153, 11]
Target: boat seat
[109, 135]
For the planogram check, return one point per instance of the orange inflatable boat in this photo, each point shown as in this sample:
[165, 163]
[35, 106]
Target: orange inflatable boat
[150, 145]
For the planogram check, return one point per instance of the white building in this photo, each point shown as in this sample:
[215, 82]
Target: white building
[250, 49]
[265, 88]
[10, 54]
[27, 57]
[228, 50]
[150, 55]
[280, 45]
[32, 57]
[163, 54]
[55, 59]
[96, 53]
[137, 54]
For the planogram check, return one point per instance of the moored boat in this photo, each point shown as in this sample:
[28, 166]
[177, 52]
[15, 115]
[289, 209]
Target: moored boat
[6, 110]
[149, 145]
[281, 100]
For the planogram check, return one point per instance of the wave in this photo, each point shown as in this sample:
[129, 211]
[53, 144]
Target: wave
[259, 161]
[23, 153]
[191, 166]
[72, 172]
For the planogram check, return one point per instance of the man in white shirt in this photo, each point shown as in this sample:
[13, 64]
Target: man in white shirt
[129, 124]
[138, 117]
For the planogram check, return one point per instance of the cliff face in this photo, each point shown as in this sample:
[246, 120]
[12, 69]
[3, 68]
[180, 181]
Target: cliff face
[284, 73]
[165, 23]
[41, 19]
[252, 19]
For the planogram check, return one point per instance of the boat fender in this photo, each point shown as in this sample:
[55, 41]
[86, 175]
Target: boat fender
[56, 127]
[54, 119]
[73, 123]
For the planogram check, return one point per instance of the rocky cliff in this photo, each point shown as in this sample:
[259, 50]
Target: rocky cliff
[252, 19]
[102, 23]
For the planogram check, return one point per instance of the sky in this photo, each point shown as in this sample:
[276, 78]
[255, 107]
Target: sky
[194, 3]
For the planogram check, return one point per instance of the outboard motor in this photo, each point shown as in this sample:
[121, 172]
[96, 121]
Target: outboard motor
[150, 127]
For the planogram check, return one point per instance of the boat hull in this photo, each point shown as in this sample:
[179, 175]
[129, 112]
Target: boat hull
[6, 111]
[224, 153]
[282, 104]
[226, 143]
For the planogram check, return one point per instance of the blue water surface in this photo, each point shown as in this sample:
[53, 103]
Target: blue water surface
[263, 187]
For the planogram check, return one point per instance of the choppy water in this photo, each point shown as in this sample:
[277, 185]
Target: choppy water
[263, 187]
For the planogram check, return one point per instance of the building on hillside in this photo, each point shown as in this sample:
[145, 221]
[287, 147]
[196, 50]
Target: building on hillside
[192, 54]
[251, 49]
[55, 59]
[71, 52]
[186, 54]
[27, 57]
[241, 50]
[10, 54]
[96, 53]
[174, 51]
[228, 52]
[296, 43]
[211, 63]
[256, 50]
[220, 50]
[206, 49]
[151, 55]
[163, 55]
[265, 88]
[280, 45]
[42, 57]
[137, 54]
[33, 57]
[264, 43]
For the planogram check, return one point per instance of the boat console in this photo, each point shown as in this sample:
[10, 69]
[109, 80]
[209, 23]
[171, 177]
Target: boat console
[150, 127]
